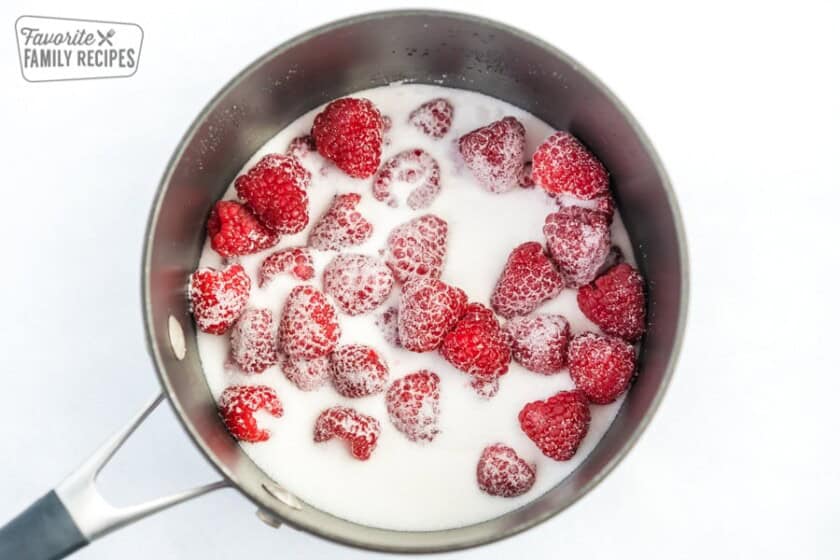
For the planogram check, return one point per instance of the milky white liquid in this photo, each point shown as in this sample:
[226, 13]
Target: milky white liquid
[406, 485]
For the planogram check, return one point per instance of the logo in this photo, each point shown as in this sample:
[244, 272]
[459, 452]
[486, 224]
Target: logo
[53, 49]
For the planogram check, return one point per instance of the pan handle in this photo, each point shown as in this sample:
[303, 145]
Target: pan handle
[75, 513]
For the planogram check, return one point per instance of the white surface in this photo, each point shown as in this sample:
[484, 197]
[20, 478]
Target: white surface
[742, 103]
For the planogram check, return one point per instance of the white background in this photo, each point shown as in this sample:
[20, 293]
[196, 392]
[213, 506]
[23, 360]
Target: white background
[743, 103]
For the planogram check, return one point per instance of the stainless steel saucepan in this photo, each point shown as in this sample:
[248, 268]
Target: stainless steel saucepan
[449, 49]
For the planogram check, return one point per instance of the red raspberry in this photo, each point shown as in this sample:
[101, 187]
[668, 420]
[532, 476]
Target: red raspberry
[557, 425]
[274, 190]
[433, 117]
[495, 154]
[301, 146]
[308, 326]
[218, 297]
[349, 132]
[539, 342]
[237, 406]
[485, 388]
[358, 371]
[358, 283]
[501, 472]
[527, 280]
[416, 249]
[359, 430]
[476, 344]
[604, 204]
[297, 261]
[615, 302]
[234, 230]
[413, 167]
[253, 341]
[563, 165]
[601, 366]
[525, 179]
[387, 323]
[428, 309]
[413, 405]
[341, 226]
[307, 375]
[579, 241]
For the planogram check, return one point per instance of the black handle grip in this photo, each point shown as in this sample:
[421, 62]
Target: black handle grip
[44, 531]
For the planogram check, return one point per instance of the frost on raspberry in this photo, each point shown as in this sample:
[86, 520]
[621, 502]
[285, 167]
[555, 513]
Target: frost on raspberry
[413, 167]
[218, 297]
[358, 371]
[309, 325]
[237, 407]
[495, 154]
[525, 179]
[359, 430]
[562, 164]
[413, 404]
[615, 302]
[253, 341]
[341, 226]
[301, 146]
[428, 309]
[307, 375]
[275, 190]
[601, 366]
[358, 283]
[417, 248]
[604, 203]
[296, 261]
[502, 472]
[387, 323]
[539, 342]
[579, 242]
[528, 279]
[433, 118]
[234, 230]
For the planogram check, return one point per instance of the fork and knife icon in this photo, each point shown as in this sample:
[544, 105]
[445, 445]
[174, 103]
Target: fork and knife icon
[106, 37]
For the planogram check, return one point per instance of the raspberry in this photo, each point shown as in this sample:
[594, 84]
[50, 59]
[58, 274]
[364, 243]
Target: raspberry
[359, 430]
[558, 424]
[387, 323]
[358, 371]
[349, 132]
[297, 261]
[413, 167]
[274, 190]
[307, 375]
[527, 280]
[525, 179]
[539, 342]
[433, 117]
[301, 146]
[218, 297]
[416, 249]
[485, 388]
[563, 165]
[358, 283]
[234, 230]
[604, 204]
[413, 404]
[476, 344]
[308, 326]
[428, 309]
[494, 154]
[341, 226]
[237, 406]
[615, 302]
[579, 241]
[253, 341]
[501, 472]
[601, 366]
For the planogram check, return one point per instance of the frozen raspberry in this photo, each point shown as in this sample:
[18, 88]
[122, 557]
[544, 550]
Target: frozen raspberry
[359, 430]
[539, 342]
[563, 165]
[349, 132]
[274, 189]
[476, 344]
[358, 283]
[234, 230]
[307, 375]
[501, 472]
[413, 167]
[253, 341]
[296, 261]
[558, 424]
[494, 154]
[484, 387]
[601, 366]
[237, 406]
[308, 326]
[604, 204]
[358, 371]
[428, 309]
[301, 146]
[387, 323]
[525, 179]
[413, 405]
[218, 297]
[386, 123]
[433, 117]
[341, 226]
[579, 241]
[416, 249]
[527, 280]
[615, 302]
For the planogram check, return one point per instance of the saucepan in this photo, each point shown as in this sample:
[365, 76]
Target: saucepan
[448, 49]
